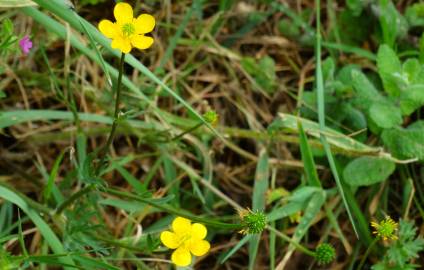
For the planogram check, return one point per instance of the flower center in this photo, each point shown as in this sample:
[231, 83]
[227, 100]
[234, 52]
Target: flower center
[128, 29]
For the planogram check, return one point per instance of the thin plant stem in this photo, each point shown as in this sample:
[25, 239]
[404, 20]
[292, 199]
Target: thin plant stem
[186, 131]
[367, 252]
[74, 197]
[171, 210]
[294, 243]
[103, 151]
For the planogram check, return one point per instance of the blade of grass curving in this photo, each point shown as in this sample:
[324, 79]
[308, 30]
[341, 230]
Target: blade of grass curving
[63, 11]
[231, 252]
[17, 117]
[93, 263]
[321, 113]
[93, 44]
[51, 181]
[258, 201]
[43, 227]
[307, 158]
[136, 184]
[311, 211]
[21, 236]
[174, 40]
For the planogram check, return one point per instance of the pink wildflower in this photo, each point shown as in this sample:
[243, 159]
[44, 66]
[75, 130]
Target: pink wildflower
[26, 44]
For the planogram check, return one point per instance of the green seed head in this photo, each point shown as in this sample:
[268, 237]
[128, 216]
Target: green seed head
[211, 117]
[253, 222]
[325, 254]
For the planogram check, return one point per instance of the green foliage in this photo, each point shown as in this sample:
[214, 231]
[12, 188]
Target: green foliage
[401, 252]
[415, 14]
[262, 71]
[8, 40]
[406, 142]
[90, 2]
[365, 171]
[389, 68]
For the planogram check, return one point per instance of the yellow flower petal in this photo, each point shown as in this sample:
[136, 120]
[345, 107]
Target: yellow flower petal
[108, 28]
[199, 247]
[141, 42]
[123, 13]
[181, 257]
[181, 225]
[169, 239]
[124, 45]
[144, 24]
[198, 231]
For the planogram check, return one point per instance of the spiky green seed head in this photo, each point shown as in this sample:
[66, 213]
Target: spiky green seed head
[325, 254]
[211, 117]
[253, 222]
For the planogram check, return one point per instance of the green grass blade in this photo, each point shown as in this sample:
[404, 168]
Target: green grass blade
[48, 234]
[258, 201]
[321, 114]
[174, 40]
[240, 243]
[308, 159]
[52, 177]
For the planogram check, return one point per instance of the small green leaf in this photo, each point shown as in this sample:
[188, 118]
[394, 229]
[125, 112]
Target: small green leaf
[366, 93]
[365, 171]
[388, 65]
[385, 115]
[406, 142]
[412, 98]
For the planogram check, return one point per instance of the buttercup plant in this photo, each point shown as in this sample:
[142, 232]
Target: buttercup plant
[128, 32]
[186, 238]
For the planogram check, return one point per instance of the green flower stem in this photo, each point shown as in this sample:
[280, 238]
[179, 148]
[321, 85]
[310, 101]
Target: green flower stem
[171, 210]
[367, 252]
[291, 241]
[103, 151]
[74, 197]
[186, 132]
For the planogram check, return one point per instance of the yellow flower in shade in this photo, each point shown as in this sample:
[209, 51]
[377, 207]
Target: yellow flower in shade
[128, 32]
[386, 229]
[186, 239]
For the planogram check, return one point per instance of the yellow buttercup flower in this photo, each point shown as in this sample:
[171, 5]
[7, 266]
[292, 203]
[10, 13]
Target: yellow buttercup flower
[128, 32]
[386, 229]
[186, 239]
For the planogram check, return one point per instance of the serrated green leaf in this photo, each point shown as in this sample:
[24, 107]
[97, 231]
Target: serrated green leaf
[365, 171]
[385, 115]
